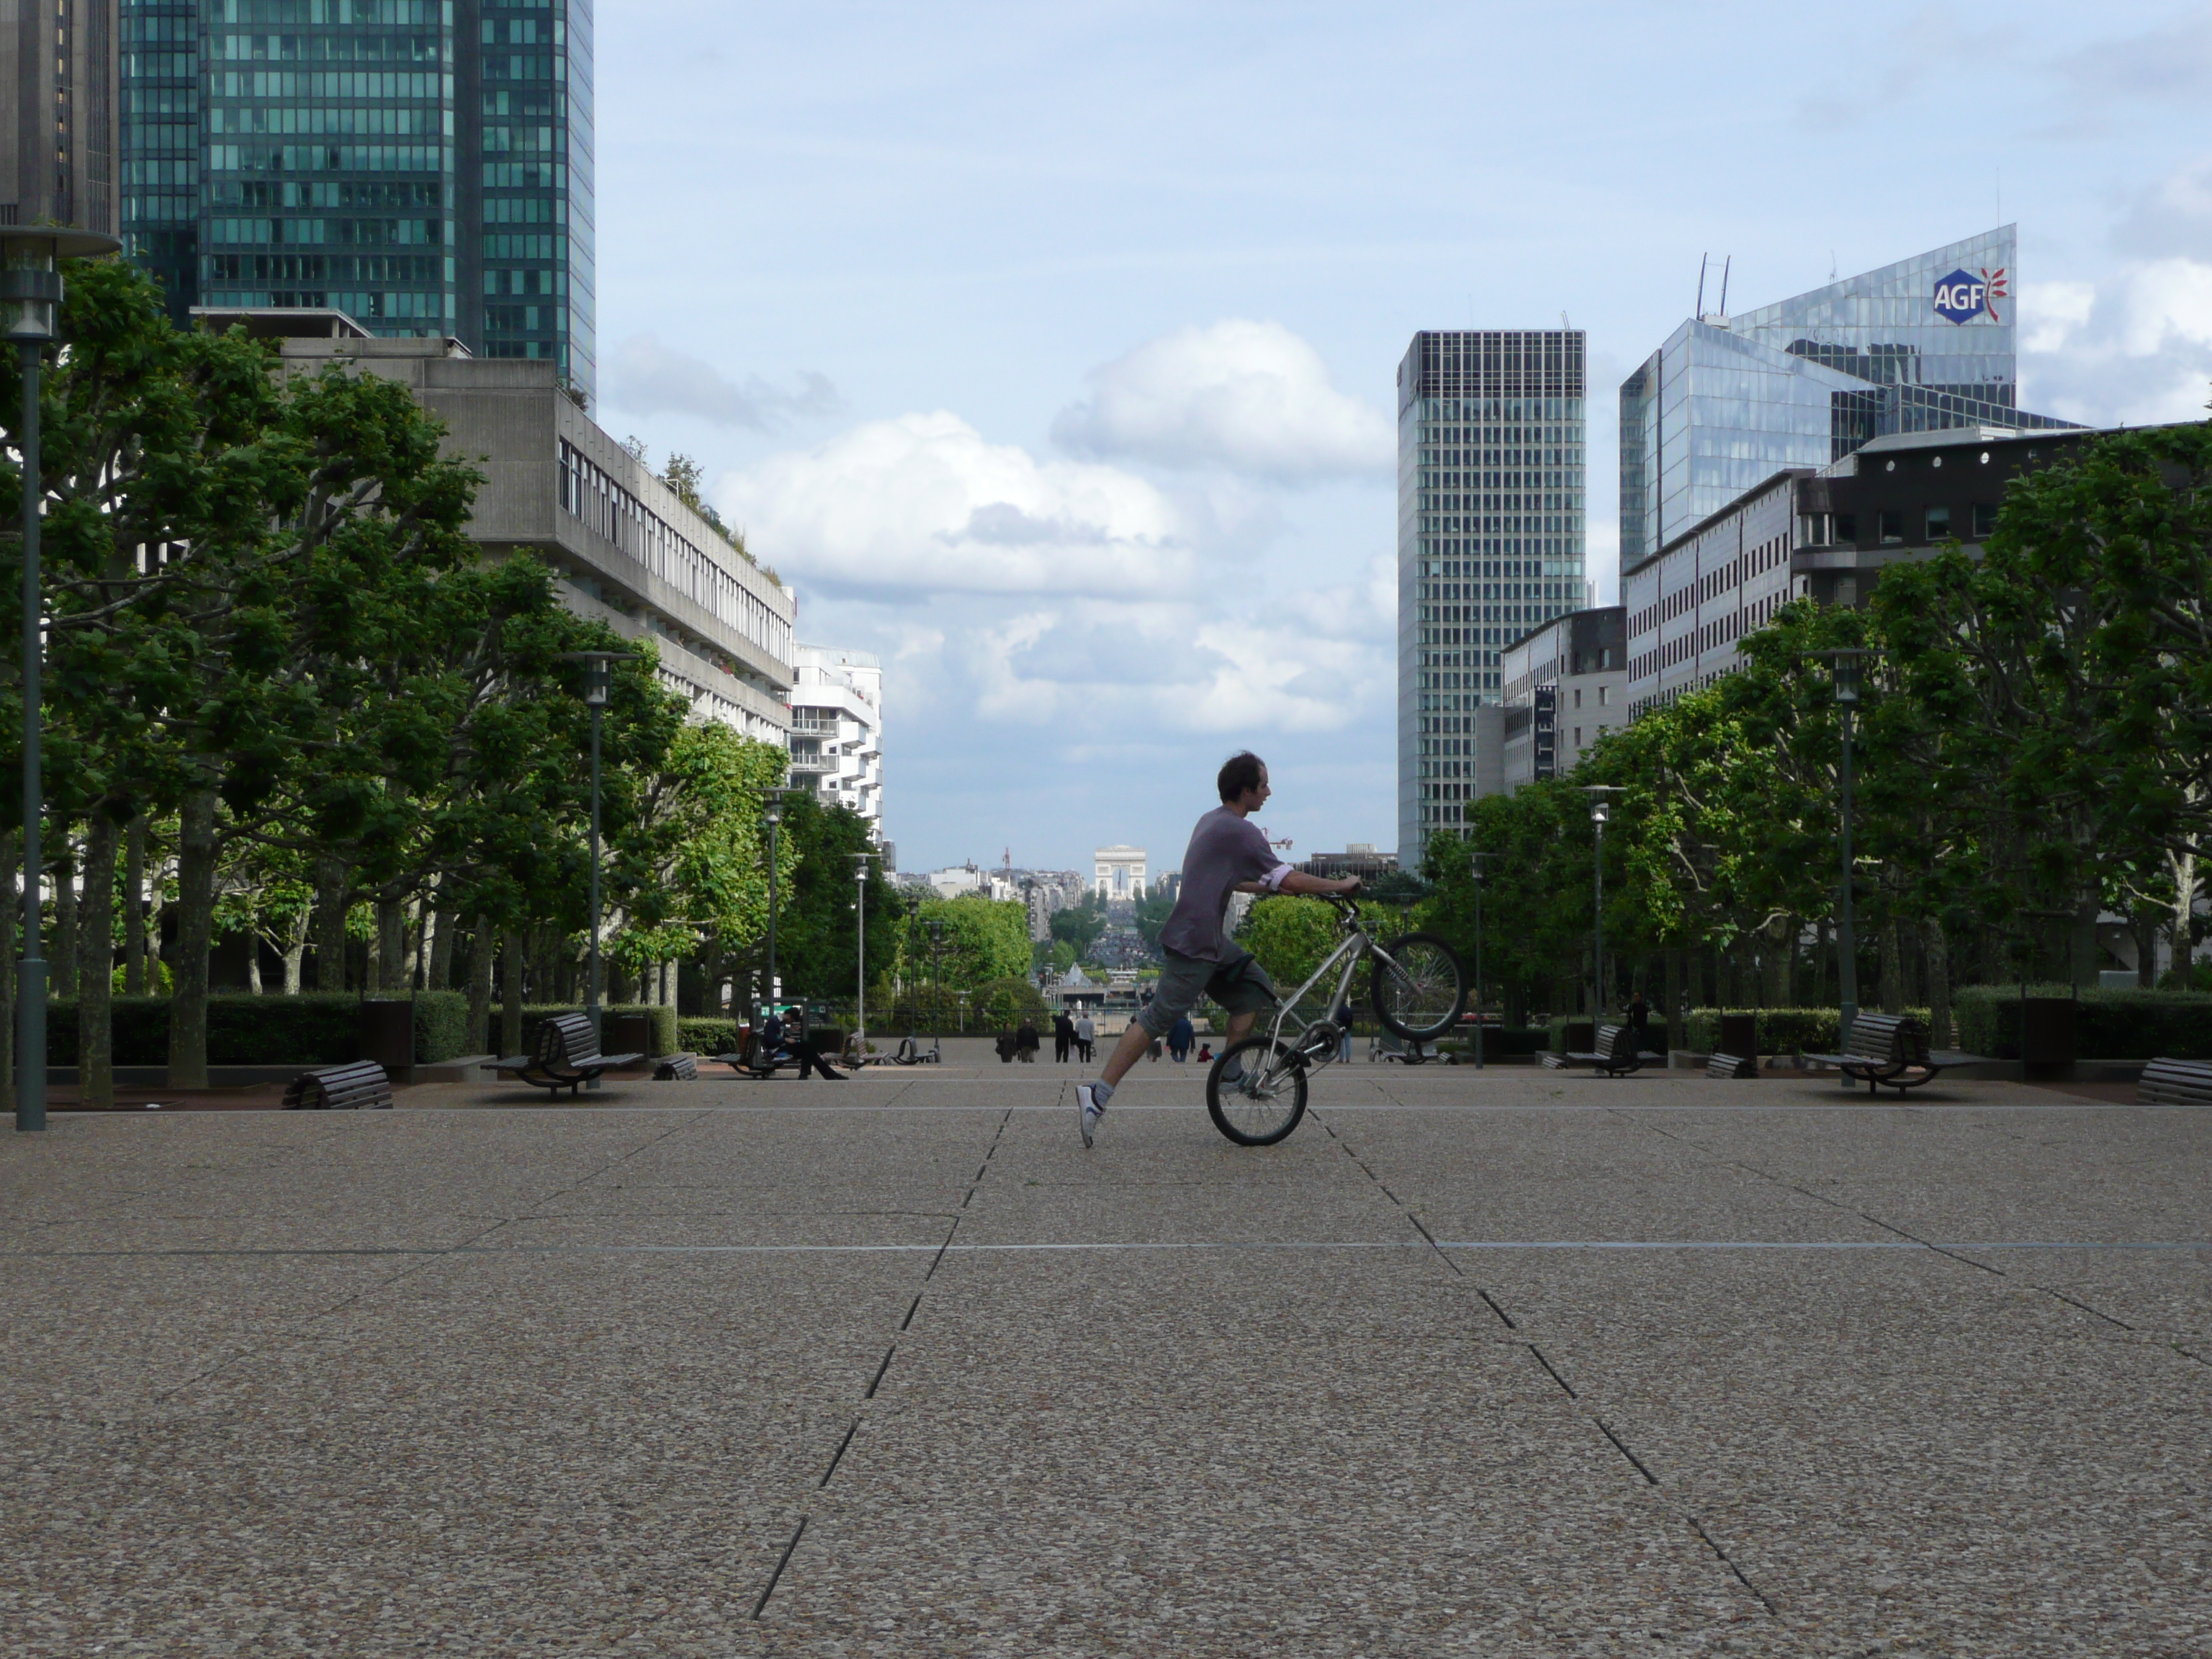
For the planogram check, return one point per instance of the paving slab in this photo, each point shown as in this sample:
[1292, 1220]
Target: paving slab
[1491, 1363]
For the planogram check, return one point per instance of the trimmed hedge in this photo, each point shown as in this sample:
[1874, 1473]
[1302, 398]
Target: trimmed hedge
[2130, 1025]
[1781, 1030]
[702, 1035]
[1501, 1039]
[318, 1029]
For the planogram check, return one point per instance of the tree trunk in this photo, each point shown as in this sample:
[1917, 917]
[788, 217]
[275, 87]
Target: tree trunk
[480, 986]
[1780, 934]
[253, 951]
[1938, 985]
[415, 923]
[2184, 866]
[1673, 995]
[134, 908]
[331, 892]
[65, 921]
[95, 1026]
[510, 985]
[11, 859]
[2081, 960]
[1893, 967]
[387, 947]
[296, 950]
[444, 924]
[188, 1009]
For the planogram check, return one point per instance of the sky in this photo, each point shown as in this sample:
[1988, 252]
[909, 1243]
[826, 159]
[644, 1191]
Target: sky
[1050, 352]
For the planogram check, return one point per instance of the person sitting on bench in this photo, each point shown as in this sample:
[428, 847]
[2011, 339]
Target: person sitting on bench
[774, 1046]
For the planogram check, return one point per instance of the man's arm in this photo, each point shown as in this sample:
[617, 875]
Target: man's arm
[1298, 881]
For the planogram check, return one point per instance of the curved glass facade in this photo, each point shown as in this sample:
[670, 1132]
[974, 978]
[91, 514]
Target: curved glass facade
[1926, 344]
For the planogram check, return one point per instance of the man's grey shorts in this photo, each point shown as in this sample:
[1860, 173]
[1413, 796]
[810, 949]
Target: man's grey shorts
[1241, 985]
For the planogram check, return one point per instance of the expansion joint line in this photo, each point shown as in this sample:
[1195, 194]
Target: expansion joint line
[430, 1257]
[1874, 1220]
[1442, 1255]
[853, 1429]
[1728, 1561]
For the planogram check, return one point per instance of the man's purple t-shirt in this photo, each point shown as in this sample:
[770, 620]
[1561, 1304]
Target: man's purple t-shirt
[1225, 851]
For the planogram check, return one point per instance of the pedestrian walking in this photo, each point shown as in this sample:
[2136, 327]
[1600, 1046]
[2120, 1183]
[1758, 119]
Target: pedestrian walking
[1025, 1041]
[1639, 1022]
[1063, 1035]
[1086, 1034]
[1180, 1038]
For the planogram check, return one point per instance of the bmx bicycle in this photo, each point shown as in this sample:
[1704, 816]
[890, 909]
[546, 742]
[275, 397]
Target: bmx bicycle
[1419, 991]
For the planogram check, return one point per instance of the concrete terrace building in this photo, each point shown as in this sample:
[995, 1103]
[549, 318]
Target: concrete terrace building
[1825, 532]
[1565, 684]
[1490, 500]
[837, 729]
[1921, 345]
[424, 166]
[58, 143]
[1117, 874]
[626, 550]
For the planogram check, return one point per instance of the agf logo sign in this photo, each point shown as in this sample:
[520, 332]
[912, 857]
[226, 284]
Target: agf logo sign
[1961, 297]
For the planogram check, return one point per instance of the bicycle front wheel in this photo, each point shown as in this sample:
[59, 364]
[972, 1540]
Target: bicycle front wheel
[1269, 1097]
[1420, 990]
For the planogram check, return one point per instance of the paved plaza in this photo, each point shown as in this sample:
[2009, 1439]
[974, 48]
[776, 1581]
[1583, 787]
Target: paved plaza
[1508, 1363]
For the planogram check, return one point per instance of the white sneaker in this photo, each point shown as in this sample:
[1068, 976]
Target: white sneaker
[1088, 1111]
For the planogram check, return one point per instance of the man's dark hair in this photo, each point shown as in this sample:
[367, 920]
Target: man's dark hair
[1239, 773]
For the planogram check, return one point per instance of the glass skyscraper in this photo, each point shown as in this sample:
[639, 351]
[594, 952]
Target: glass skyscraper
[1926, 344]
[1490, 478]
[422, 165]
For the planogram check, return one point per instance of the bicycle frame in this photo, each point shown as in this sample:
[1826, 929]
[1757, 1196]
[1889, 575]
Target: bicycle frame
[1355, 946]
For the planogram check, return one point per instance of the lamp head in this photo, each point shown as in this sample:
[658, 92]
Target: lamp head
[773, 815]
[31, 280]
[1600, 811]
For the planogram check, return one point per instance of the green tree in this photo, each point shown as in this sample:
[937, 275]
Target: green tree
[817, 929]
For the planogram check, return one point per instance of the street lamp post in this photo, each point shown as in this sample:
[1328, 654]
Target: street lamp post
[772, 816]
[598, 682]
[1843, 667]
[936, 986]
[1475, 860]
[861, 953]
[1599, 811]
[30, 305]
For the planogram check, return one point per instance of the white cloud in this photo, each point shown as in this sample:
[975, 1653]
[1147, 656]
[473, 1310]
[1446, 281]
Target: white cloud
[651, 378]
[2136, 348]
[924, 502]
[2054, 310]
[1247, 396]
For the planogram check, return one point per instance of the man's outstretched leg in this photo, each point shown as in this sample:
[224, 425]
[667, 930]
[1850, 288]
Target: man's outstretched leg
[1091, 1098]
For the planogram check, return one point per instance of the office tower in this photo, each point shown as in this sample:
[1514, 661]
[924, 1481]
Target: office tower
[1490, 458]
[424, 166]
[58, 146]
[1921, 345]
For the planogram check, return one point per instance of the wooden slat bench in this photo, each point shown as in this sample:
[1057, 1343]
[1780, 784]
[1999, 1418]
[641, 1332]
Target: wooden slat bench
[1891, 1051]
[1731, 1065]
[1617, 1054]
[2175, 1083]
[361, 1086]
[565, 1057]
[676, 1068]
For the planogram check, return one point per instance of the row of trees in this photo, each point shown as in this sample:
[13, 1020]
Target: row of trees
[287, 696]
[2032, 748]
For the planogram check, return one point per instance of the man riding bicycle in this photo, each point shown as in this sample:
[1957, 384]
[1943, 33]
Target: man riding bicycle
[1227, 854]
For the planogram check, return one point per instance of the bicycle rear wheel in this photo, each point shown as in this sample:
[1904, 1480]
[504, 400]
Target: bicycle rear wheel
[1420, 990]
[1266, 1103]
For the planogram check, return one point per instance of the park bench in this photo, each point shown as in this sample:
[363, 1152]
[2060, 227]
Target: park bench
[565, 1057]
[676, 1068]
[1892, 1051]
[1617, 1054]
[360, 1085]
[2175, 1083]
[749, 1060]
[1731, 1065]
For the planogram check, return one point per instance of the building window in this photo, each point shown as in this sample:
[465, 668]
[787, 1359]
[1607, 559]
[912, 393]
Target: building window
[1604, 696]
[1893, 525]
[1939, 524]
[1985, 520]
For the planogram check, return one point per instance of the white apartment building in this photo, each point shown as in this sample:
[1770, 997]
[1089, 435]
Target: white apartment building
[1118, 873]
[837, 729]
